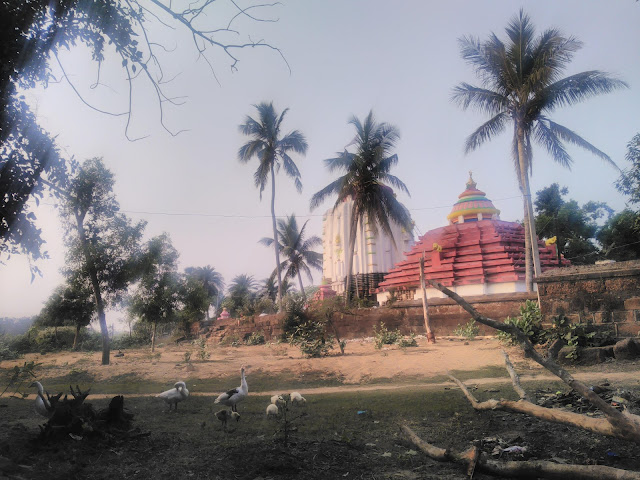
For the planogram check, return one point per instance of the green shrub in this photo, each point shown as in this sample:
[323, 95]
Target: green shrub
[310, 336]
[529, 321]
[469, 331]
[405, 342]
[7, 348]
[295, 315]
[202, 352]
[256, 338]
[578, 335]
[231, 340]
[383, 336]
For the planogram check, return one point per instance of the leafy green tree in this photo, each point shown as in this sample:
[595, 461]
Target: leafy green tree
[620, 236]
[156, 298]
[365, 180]
[212, 282]
[629, 181]
[194, 300]
[31, 35]
[102, 243]
[573, 226]
[241, 295]
[272, 151]
[296, 250]
[521, 85]
[69, 304]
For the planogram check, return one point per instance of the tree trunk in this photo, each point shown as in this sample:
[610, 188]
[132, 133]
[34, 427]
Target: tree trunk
[75, 338]
[153, 336]
[93, 274]
[532, 251]
[276, 244]
[431, 338]
[352, 244]
[301, 287]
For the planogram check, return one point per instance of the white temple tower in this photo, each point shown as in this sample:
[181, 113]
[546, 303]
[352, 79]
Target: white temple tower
[374, 253]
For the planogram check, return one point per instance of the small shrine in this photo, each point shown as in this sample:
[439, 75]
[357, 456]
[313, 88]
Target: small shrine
[224, 315]
[324, 292]
[476, 254]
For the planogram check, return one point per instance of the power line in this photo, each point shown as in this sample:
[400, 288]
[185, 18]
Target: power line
[229, 215]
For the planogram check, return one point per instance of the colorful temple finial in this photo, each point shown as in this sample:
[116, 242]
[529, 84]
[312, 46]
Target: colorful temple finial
[472, 205]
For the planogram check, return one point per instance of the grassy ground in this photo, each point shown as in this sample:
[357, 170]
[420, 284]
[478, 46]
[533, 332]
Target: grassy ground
[353, 434]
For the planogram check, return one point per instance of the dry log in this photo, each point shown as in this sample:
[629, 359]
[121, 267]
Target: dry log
[623, 425]
[515, 379]
[597, 425]
[521, 469]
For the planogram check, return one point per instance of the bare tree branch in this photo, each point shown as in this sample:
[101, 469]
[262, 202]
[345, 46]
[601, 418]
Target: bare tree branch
[627, 426]
[522, 469]
[515, 379]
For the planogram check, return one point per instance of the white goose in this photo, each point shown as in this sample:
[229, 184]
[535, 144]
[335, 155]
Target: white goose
[178, 393]
[42, 405]
[297, 399]
[232, 397]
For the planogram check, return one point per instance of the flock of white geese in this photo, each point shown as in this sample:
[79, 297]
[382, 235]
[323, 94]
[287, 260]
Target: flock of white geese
[179, 393]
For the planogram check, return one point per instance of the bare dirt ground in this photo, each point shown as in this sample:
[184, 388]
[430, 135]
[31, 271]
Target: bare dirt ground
[348, 429]
[362, 362]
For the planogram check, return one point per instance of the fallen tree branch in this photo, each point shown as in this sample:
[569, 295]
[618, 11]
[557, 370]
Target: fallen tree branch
[597, 425]
[515, 379]
[521, 469]
[624, 425]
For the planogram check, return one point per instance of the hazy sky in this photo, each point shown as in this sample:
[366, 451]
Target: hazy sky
[399, 58]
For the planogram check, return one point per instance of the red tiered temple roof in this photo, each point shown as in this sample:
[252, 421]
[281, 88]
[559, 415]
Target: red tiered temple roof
[488, 251]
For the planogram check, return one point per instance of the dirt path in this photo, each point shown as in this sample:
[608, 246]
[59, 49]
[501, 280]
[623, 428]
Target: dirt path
[362, 368]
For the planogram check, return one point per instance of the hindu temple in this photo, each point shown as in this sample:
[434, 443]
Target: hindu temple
[476, 254]
[374, 255]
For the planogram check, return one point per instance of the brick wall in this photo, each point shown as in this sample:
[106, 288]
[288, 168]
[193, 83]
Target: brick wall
[604, 295]
[445, 315]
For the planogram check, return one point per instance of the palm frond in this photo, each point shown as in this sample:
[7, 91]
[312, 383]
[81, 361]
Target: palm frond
[291, 169]
[579, 87]
[266, 241]
[396, 183]
[481, 99]
[249, 150]
[321, 196]
[294, 140]
[548, 137]
[570, 136]
[486, 131]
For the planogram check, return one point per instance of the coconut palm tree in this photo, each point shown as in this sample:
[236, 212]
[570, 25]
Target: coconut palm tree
[297, 253]
[521, 83]
[366, 181]
[272, 151]
[211, 280]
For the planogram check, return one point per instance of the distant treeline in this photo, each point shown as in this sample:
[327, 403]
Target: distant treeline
[15, 326]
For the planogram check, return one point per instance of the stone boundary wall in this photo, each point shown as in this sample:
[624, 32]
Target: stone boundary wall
[604, 295]
[445, 315]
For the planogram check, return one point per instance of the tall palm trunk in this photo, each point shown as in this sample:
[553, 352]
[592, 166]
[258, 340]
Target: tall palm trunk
[301, 287]
[275, 235]
[531, 250]
[352, 244]
[93, 274]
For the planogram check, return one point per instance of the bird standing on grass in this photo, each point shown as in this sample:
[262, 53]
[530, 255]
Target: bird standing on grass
[225, 415]
[232, 397]
[178, 393]
[272, 410]
[42, 405]
[297, 399]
